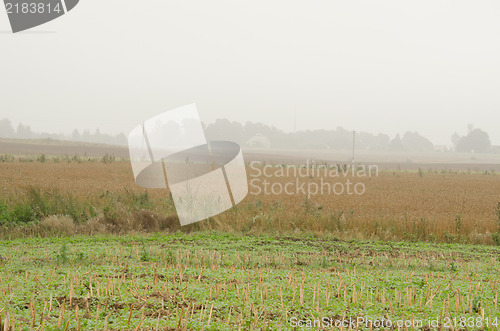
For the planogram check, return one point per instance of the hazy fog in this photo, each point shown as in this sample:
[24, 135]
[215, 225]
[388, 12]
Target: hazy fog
[376, 66]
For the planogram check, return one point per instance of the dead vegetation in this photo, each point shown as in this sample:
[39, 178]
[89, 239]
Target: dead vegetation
[435, 206]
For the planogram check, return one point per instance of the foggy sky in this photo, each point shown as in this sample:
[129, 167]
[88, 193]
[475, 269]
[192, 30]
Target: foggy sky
[376, 66]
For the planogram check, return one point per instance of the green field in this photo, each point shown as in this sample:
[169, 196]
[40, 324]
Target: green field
[215, 281]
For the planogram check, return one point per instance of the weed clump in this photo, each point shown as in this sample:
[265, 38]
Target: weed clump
[108, 158]
[47, 203]
[145, 257]
[62, 256]
[496, 236]
[42, 158]
[7, 158]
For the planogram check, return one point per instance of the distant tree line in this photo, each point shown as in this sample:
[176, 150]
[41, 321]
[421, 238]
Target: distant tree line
[261, 135]
[25, 132]
[258, 135]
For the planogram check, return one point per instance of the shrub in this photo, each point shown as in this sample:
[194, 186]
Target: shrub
[62, 256]
[42, 158]
[139, 200]
[17, 214]
[22, 214]
[4, 212]
[49, 203]
[108, 158]
[496, 236]
[498, 213]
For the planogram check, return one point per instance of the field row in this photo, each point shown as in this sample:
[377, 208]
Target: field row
[216, 281]
[96, 197]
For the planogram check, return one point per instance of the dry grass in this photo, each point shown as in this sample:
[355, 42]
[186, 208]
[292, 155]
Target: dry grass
[396, 205]
[443, 206]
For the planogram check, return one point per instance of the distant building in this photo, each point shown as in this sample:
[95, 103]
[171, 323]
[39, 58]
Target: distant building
[440, 148]
[259, 141]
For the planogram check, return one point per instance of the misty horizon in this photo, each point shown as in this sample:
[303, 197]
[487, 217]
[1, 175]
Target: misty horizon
[385, 67]
[68, 131]
[261, 135]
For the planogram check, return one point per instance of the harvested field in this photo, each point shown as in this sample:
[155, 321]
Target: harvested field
[436, 206]
[215, 281]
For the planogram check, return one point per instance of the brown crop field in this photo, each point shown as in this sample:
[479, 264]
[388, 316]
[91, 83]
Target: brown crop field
[430, 205]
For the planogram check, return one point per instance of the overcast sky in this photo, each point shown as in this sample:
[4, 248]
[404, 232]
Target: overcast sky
[377, 66]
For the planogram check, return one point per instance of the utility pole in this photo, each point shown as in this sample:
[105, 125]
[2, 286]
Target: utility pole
[295, 122]
[353, 145]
